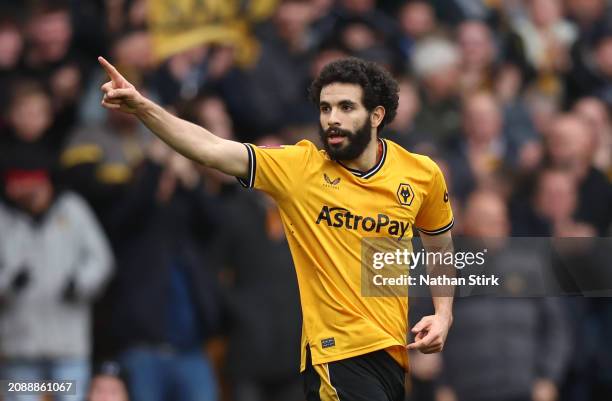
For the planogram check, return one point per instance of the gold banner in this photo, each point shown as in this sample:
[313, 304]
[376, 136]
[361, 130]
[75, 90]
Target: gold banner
[178, 25]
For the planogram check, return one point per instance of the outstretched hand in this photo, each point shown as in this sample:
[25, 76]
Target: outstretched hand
[431, 332]
[119, 93]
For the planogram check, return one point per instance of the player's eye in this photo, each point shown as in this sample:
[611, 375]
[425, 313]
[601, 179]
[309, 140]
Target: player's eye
[324, 109]
[347, 107]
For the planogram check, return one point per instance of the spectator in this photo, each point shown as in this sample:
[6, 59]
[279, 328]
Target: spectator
[271, 94]
[163, 304]
[30, 118]
[262, 365]
[593, 18]
[478, 56]
[417, 20]
[482, 152]
[189, 72]
[522, 346]
[551, 207]
[595, 114]
[100, 160]
[546, 38]
[55, 259]
[435, 63]
[366, 10]
[571, 146]
[592, 72]
[51, 58]
[11, 48]
[402, 130]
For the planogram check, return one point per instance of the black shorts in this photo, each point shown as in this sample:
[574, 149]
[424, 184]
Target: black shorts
[370, 377]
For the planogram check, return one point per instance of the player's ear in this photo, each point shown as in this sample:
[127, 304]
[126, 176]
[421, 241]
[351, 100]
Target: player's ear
[376, 116]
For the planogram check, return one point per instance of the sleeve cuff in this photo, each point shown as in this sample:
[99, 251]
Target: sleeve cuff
[439, 230]
[249, 181]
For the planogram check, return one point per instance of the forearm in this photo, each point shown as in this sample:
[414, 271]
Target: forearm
[190, 140]
[443, 306]
[442, 295]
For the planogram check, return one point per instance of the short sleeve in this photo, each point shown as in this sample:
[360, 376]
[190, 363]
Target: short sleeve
[277, 170]
[436, 215]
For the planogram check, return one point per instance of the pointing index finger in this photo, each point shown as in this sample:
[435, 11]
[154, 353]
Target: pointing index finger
[111, 71]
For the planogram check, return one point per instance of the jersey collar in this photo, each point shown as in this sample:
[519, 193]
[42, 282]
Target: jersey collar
[373, 170]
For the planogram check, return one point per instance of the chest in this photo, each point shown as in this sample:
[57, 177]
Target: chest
[379, 206]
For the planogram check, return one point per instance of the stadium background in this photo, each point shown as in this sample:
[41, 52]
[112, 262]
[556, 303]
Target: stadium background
[511, 97]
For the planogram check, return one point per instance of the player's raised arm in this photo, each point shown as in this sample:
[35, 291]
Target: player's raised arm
[188, 139]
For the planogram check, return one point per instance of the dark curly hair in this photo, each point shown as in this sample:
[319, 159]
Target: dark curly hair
[379, 87]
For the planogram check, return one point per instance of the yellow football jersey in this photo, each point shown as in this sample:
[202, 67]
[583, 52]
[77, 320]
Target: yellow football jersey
[327, 209]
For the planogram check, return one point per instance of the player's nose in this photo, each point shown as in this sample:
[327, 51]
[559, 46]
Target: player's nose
[333, 118]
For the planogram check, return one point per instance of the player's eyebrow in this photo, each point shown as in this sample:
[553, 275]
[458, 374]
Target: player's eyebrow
[344, 102]
[347, 103]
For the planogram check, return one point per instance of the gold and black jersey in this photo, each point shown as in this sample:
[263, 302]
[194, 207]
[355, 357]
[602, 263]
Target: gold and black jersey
[327, 209]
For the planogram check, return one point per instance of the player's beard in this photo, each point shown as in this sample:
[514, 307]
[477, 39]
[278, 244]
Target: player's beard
[357, 142]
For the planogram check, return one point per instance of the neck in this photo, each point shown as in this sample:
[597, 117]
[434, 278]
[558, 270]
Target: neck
[367, 159]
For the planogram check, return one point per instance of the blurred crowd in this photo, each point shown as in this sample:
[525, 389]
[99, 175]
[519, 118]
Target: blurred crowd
[142, 276]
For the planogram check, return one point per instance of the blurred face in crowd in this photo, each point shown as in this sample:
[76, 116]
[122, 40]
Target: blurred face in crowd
[542, 110]
[292, 19]
[603, 55]
[476, 44]
[31, 115]
[409, 106]
[323, 58]
[51, 33]
[544, 13]
[442, 84]
[357, 37]
[417, 19]
[212, 114]
[31, 191]
[11, 44]
[570, 142]
[134, 51]
[555, 197]
[107, 388]
[594, 112]
[482, 119]
[486, 215]
[586, 11]
[359, 6]
[345, 122]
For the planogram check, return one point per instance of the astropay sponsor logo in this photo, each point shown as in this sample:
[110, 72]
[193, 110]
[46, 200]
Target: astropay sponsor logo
[338, 217]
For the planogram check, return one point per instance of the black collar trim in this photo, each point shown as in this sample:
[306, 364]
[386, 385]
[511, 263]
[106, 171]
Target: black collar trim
[373, 170]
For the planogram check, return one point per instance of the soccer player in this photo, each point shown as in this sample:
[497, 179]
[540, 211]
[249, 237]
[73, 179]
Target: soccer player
[360, 185]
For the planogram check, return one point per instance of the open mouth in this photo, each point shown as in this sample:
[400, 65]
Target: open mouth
[335, 137]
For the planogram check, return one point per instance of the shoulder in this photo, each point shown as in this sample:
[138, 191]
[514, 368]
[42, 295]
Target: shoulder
[303, 149]
[308, 147]
[413, 161]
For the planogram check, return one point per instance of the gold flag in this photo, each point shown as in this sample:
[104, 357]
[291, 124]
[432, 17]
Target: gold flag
[178, 25]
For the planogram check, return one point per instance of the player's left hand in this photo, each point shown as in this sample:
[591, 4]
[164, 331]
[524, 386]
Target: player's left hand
[431, 332]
